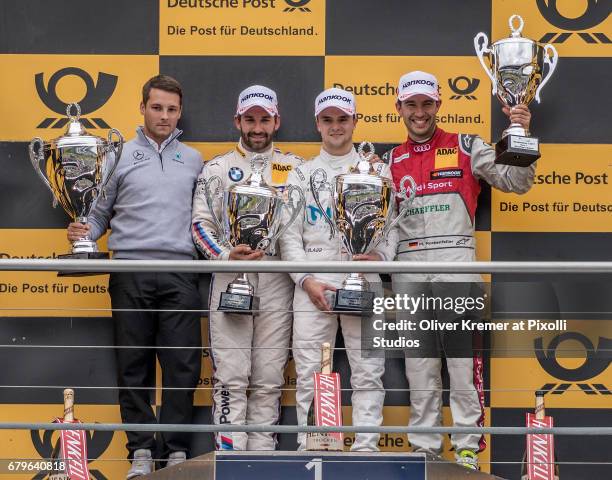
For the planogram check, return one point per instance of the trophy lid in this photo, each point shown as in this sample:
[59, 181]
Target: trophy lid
[76, 135]
[515, 32]
[364, 173]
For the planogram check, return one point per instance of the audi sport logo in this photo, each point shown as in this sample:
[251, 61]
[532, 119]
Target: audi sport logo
[596, 12]
[422, 148]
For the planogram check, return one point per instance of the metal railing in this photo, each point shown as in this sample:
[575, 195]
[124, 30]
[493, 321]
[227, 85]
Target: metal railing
[266, 266]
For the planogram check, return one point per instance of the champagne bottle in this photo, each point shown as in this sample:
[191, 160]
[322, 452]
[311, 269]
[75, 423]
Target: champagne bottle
[323, 441]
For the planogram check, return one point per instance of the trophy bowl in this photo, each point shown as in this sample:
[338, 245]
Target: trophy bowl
[518, 69]
[251, 215]
[362, 207]
[76, 167]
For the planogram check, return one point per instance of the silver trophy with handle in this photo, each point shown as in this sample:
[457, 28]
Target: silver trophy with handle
[363, 203]
[251, 215]
[518, 68]
[76, 168]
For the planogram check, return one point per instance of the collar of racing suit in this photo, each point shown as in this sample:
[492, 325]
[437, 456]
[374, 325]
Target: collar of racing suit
[339, 162]
[242, 151]
[412, 144]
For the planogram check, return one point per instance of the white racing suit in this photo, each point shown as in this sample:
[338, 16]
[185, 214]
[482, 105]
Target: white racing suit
[308, 239]
[440, 227]
[249, 352]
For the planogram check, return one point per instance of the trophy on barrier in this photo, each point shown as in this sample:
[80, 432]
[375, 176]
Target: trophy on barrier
[251, 215]
[362, 206]
[76, 168]
[518, 75]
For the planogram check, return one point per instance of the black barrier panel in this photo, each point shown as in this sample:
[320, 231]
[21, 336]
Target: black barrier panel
[398, 27]
[211, 86]
[25, 201]
[588, 457]
[74, 26]
[574, 108]
[566, 246]
[59, 365]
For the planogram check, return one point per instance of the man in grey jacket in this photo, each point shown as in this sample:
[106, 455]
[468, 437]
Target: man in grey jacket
[148, 208]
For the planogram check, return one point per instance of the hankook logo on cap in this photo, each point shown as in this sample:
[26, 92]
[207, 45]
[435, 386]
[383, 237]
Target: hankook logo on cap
[418, 82]
[334, 97]
[299, 5]
[596, 12]
[96, 95]
[256, 94]
[463, 87]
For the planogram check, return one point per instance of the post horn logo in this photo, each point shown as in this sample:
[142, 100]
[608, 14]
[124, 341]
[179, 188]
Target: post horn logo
[596, 362]
[596, 12]
[299, 5]
[461, 91]
[96, 95]
[97, 443]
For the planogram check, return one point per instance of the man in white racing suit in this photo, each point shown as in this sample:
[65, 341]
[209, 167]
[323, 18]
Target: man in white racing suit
[308, 239]
[249, 352]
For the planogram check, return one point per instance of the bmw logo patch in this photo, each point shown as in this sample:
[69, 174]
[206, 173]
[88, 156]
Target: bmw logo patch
[235, 174]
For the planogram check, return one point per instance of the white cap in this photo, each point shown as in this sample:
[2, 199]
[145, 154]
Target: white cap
[418, 83]
[257, 96]
[335, 97]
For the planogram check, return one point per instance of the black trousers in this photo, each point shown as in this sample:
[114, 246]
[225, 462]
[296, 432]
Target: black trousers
[143, 292]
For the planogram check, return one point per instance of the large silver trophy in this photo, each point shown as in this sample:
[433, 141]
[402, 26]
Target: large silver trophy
[363, 203]
[76, 168]
[516, 67]
[252, 215]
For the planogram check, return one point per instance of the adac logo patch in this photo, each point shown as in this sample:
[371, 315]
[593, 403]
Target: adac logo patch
[297, 5]
[449, 173]
[463, 87]
[96, 95]
[282, 167]
[280, 171]
[235, 174]
[446, 158]
[596, 13]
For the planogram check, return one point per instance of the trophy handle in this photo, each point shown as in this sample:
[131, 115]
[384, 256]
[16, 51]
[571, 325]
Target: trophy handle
[296, 210]
[116, 153]
[209, 197]
[480, 51]
[319, 172]
[552, 64]
[36, 157]
[408, 199]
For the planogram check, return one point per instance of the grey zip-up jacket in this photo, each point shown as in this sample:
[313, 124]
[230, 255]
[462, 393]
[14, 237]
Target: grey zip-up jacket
[148, 201]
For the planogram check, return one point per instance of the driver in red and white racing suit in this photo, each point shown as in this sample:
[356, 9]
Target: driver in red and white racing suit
[447, 168]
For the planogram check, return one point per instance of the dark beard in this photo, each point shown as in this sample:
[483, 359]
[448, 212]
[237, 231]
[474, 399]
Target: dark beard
[247, 142]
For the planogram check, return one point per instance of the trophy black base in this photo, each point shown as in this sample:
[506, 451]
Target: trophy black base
[82, 256]
[517, 150]
[238, 303]
[355, 302]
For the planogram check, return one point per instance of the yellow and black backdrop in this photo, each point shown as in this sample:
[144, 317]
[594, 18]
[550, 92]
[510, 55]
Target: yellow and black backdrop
[99, 53]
